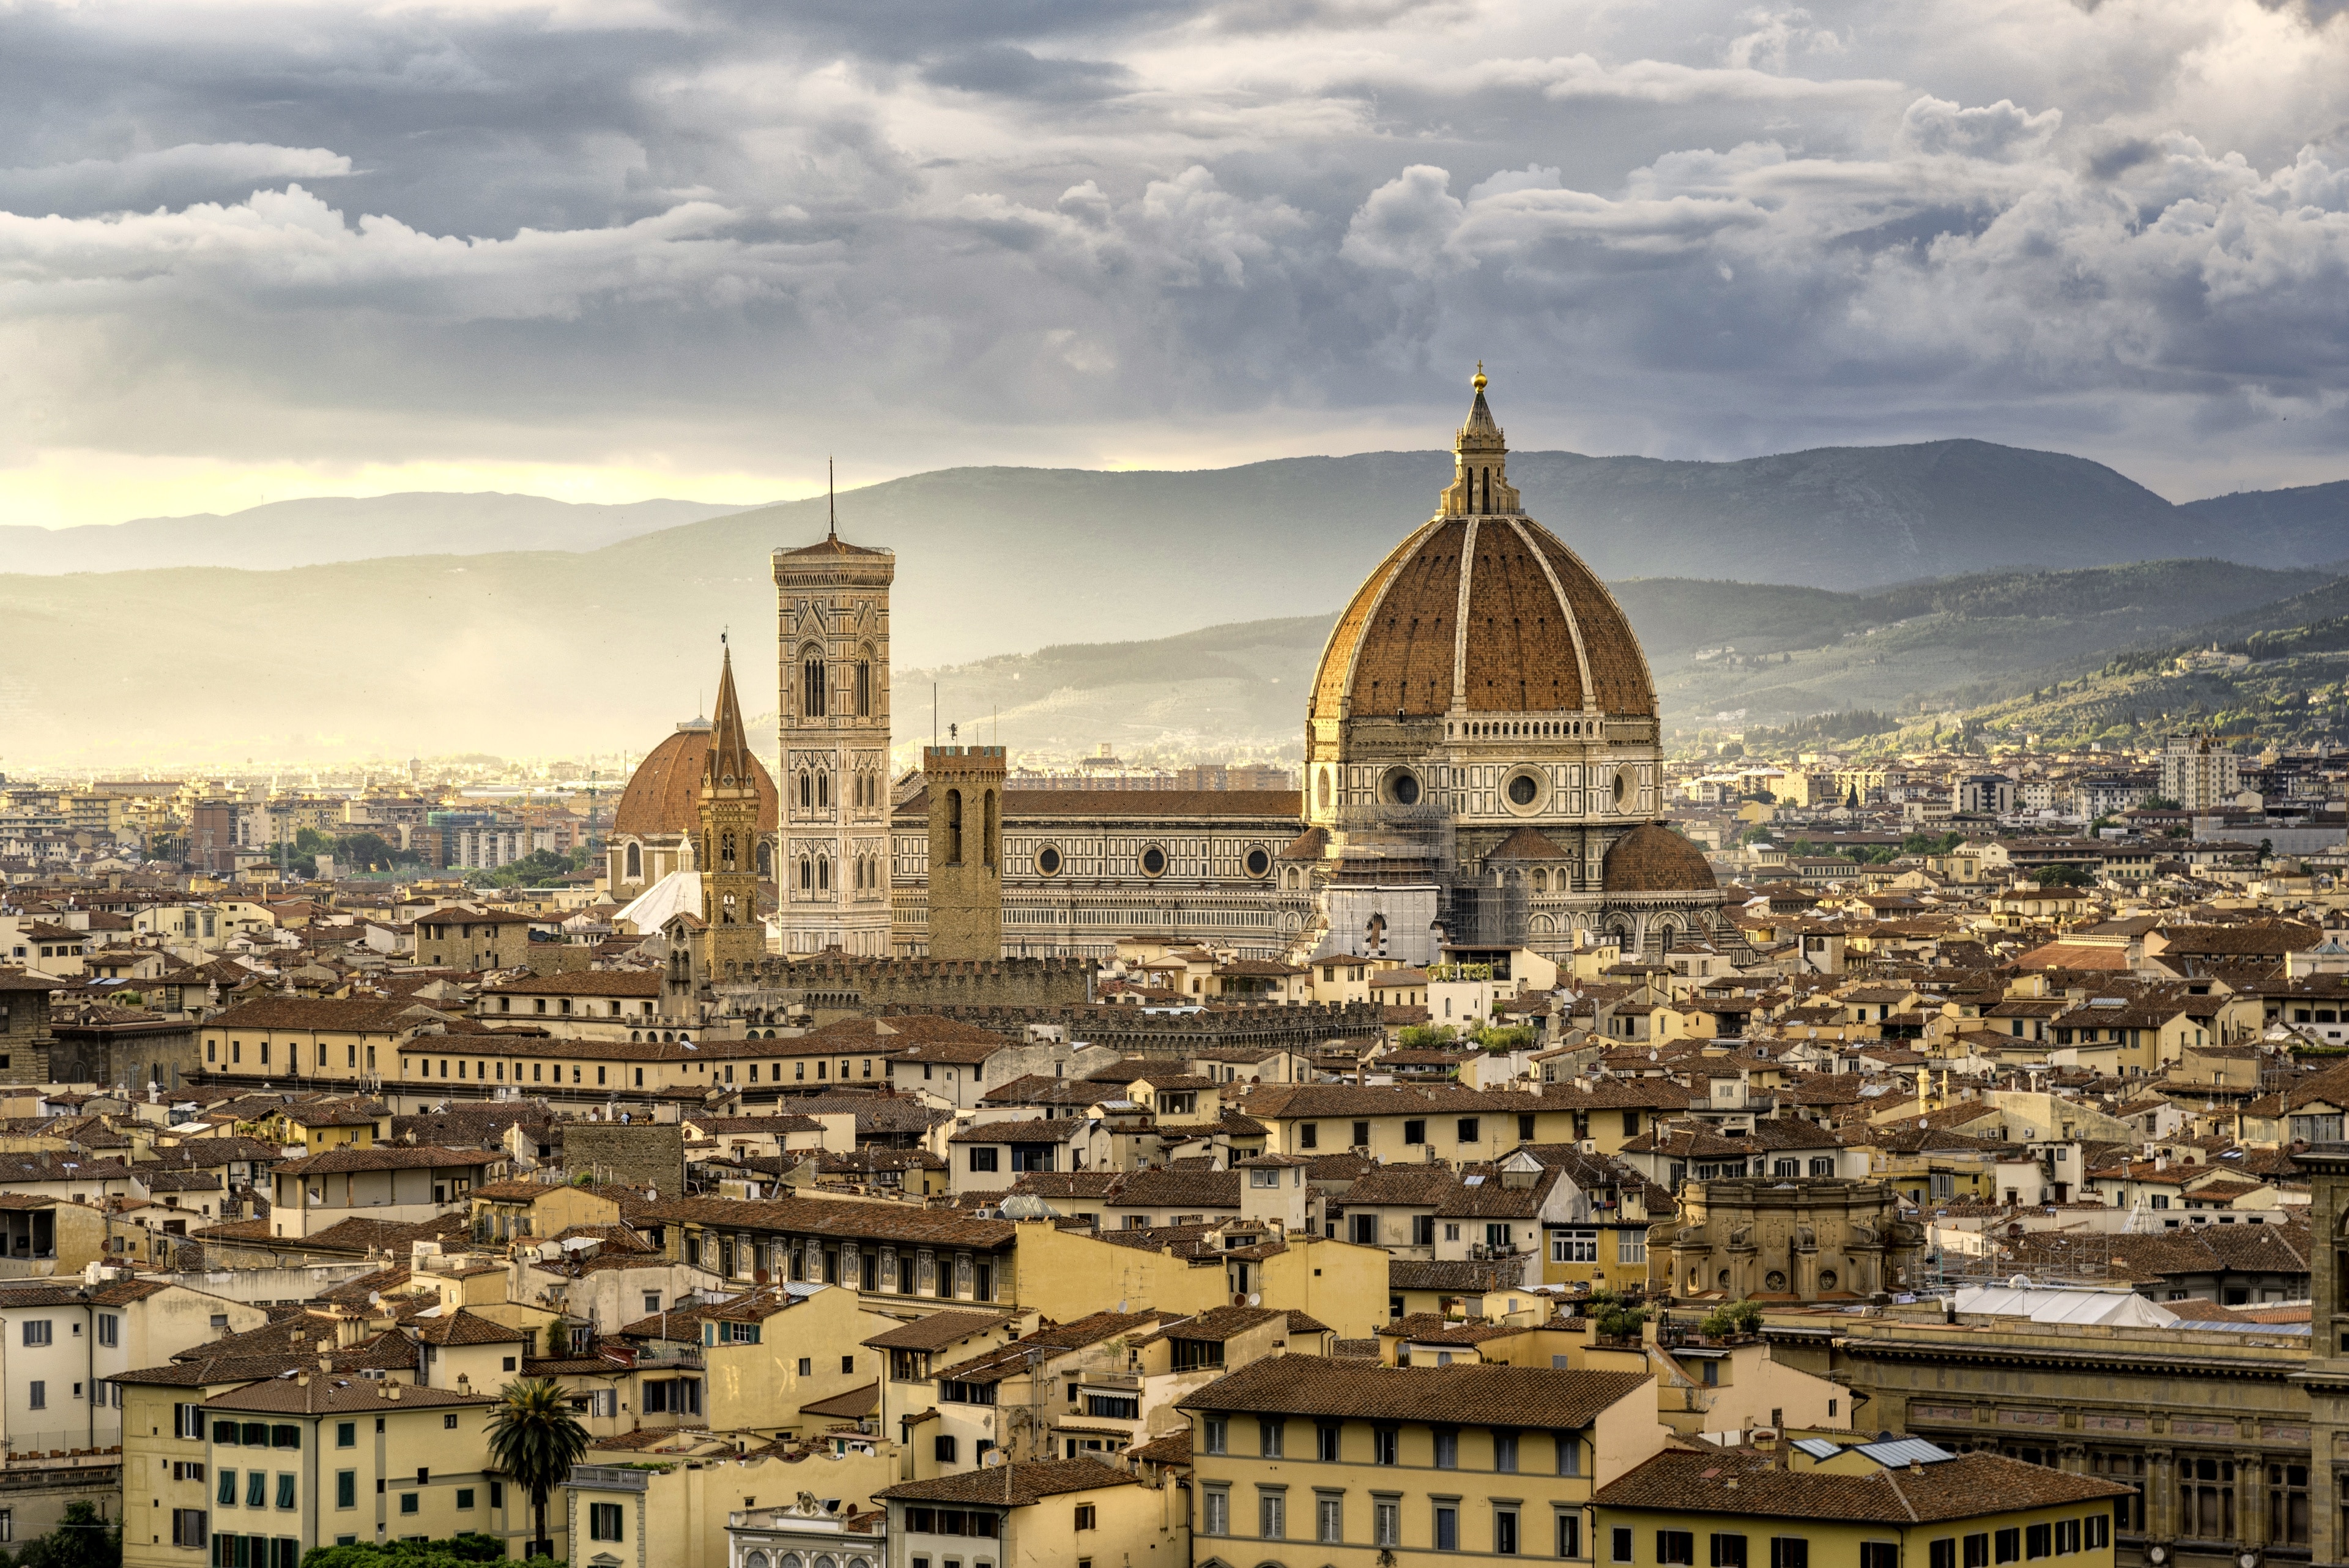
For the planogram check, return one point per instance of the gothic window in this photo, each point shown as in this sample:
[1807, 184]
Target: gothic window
[766, 861]
[804, 874]
[987, 845]
[726, 852]
[954, 827]
[807, 792]
[635, 864]
[823, 791]
[822, 874]
[864, 688]
[811, 685]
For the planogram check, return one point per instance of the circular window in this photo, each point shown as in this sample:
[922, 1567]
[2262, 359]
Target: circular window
[1048, 861]
[1258, 862]
[1403, 787]
[1773, 1280]
[1622, 786]
[1154, 862]
[1826, 1278]
[1523, 789]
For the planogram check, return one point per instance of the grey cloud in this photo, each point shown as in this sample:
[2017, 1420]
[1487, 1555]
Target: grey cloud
[173, 175]
[1055, 231]
[1013, 72]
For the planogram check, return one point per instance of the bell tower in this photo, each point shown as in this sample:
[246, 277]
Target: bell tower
[832, 637]
[736, 939]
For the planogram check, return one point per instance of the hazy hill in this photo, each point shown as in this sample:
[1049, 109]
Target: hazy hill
[307, 532]
[1775, 652]
[1836, 518]
[602, 648]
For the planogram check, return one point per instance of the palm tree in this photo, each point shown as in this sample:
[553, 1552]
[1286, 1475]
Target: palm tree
[535, 1440]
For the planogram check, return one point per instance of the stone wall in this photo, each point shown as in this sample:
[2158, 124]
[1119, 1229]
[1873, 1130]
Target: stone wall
[643, 1154]
[1133, 1032]
[923, 985]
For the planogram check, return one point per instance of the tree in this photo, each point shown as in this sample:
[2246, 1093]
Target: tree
[1731, 1319]
[81, 1539]
[1613, 1316]
[457, 1552]
[1426, 1037]
[535, 1440]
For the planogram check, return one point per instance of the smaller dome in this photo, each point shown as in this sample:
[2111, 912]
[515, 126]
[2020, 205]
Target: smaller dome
[663, 794]
[1652, 858]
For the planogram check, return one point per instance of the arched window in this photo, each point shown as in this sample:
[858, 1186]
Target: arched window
[954, 827]
[804, 874]
[635, 864]
[811, 685]
[1541, 882]
[823, 791]
[726, 852]
[987, 845]
[1488, 491]
[807, 792]
[864, 688]
[823, 874]
[766, 861]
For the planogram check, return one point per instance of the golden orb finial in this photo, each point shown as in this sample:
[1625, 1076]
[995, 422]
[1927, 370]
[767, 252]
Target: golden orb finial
[1479, 382]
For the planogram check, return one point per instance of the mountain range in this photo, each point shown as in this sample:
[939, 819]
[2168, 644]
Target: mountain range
[443, 640]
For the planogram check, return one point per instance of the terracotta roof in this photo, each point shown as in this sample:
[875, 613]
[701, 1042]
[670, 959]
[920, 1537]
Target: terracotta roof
[1014, 1484]
[1004, 1361]
[837, 1216]
[938, 1330]
[636, 982]
[1481, 1394]
[315, 1394]
[1966, 1486]
[388, 1157]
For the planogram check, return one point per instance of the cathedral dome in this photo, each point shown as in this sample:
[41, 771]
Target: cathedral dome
[664, 794]
[1484, 610]
[1652, 858]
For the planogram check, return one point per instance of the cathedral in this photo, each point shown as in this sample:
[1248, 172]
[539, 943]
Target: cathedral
[1482, 768]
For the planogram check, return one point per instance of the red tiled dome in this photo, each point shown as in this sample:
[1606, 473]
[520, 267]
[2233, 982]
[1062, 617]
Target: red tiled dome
[663, 794]
[1652, 858]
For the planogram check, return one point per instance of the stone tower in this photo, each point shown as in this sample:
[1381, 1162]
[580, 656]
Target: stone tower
[2326, 1375]
[729, 848]
[831, 618]
[965, 893]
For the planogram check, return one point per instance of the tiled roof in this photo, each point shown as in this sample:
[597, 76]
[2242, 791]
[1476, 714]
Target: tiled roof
[1217, 1324]
[837, 1216]
[1479, 1395]
[1967, 1487]
[1014, 1484]
[315, 1394]
[938, 1330]
[388, 1157]
[994, 1366]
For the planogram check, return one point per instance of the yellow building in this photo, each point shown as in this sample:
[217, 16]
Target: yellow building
[1904, 1503]
[1049, 1513]
[504, 1211]
[1360, 1466]
[272, 1469]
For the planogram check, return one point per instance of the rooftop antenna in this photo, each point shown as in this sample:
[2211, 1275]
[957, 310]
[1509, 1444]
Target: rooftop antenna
[831, 510]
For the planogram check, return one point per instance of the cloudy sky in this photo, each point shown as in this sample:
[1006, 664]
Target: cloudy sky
[608, 249]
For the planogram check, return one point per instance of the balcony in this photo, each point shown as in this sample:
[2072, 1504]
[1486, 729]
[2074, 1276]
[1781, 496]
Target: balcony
[610, 1478]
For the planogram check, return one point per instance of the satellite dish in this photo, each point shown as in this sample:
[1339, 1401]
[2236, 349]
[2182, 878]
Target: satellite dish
[1255, 1299]
[2018, 1281]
